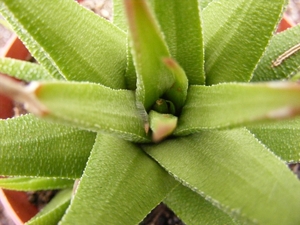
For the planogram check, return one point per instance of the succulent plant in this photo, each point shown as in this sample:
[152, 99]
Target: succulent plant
[191, 103]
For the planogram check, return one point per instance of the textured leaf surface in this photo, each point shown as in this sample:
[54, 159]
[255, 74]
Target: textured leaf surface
[33, 184]
[192, 208]
[127, 184]
[54, 210]
[234, 38]
[85, 49]
[227, 105]
[31, 147]
[279, 44]
[283, 138]
[23, 70]
[94, 107]
[181, 25]
[149, 49]
[234, 171]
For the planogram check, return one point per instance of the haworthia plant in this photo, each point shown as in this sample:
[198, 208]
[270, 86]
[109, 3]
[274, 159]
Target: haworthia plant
[155, 106]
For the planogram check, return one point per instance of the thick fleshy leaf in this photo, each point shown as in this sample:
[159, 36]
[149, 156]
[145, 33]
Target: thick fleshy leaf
[88, 48]
[149, 49]
[235, 172]
[54, 210]
[192, 208]
[229, 105]
[268, 68]
[283, 138]
[31, 147]
[86, 105]
[23, 70]
[180, 23]
[127, 183]
[233, 44]
[119, 17]
[204, 3]
[34, 184]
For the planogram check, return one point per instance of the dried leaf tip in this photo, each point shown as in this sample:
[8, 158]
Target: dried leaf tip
[23, 93]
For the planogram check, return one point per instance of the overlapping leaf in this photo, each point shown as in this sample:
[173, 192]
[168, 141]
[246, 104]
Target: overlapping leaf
[125, 181]
[234, 38]
[31, 147]
[66, 50]
[228, 105]
[235, 172]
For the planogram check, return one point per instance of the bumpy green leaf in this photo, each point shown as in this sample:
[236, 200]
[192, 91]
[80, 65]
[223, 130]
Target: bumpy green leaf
[31, 147]
[23, 70]
[267, 69]
[204, 3]
[283, 138]
[54, 210]
[125, 181]
[94, 107]
[235, 172]
[180, 23]
[149, 49]
[88, 48]
[33, 184]
[235, 36]
[228, 105]
[194, 209]
[119, 17]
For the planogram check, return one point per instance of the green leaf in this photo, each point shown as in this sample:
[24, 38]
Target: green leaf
[119, 17]
[204, 3]
[93, 107]
[279, 44]
[149, 49]
[23, 70]
[125, 181]
[235, 172]
[194, 209]
[180, 22]
[54, 210]
[229, 105]
[234, 38]
[34, 184]
[32, 147]
[281, 137]
[89, 49]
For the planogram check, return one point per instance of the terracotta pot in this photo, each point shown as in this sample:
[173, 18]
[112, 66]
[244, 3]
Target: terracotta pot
[15, 203]
[13, 48]
[285, 23]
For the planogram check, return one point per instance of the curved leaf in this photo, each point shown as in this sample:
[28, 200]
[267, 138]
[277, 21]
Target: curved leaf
[235, 172]
[93, 107]
[229, 105]
[34, 184]
[32, 147]
[234, 38]
[279, 44]
[149, 49]
[194, 209]
[180, 22]
[54, 210]
[282, 138]
[127, 184]
[85, 49]
[23, 70]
